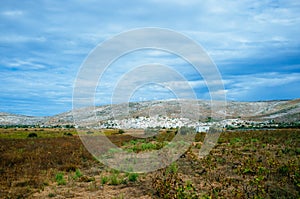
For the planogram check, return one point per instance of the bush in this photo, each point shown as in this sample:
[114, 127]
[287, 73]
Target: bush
[121, 131]
[59, 177]
[132, 177]
[77, 175]
[114, 179]
[104, 180]
[51, 195]
[148, 146]
[32, 135]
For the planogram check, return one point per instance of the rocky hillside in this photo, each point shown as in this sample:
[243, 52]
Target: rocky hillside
[12, 119]
[279, 111]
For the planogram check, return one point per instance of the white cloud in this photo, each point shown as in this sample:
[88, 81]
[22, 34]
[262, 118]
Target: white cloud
[266, 80]
[21, 39]
[252, 86]
[12, 13]
[24, 65]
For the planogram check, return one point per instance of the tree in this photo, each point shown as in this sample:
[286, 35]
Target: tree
[121, 131]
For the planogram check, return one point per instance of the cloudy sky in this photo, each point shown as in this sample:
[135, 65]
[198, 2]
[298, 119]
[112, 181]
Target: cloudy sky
[255, 45]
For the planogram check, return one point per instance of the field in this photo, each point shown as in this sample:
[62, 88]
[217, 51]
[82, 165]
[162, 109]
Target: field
[53, 163]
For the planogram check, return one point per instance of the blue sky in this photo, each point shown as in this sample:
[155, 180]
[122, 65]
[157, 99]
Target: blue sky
[255, 44]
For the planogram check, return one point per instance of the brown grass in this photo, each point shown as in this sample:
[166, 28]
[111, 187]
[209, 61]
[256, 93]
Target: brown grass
[252, 164]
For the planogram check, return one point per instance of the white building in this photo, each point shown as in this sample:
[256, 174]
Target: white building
[203, 129]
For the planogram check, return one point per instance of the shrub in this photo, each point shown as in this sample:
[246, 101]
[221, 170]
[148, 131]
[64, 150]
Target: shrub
[148, 146]
[121, 131]
[114, 179]
[32, 135]
[77, 175]
[51, 195]
[59, 177]
[104, 180]
[132, 177]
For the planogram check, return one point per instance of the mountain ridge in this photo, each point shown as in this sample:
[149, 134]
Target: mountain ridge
[277, 110]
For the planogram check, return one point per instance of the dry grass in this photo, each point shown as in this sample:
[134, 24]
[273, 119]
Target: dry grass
[252, 164]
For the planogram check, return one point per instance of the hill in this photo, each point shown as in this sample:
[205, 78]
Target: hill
[278, 111]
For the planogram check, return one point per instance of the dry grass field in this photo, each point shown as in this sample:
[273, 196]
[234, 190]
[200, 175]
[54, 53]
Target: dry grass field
[55, 164]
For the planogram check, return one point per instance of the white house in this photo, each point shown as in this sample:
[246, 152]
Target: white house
[203, 129]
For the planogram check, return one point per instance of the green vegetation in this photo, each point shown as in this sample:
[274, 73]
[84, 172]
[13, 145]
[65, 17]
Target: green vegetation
[132, 177]
[235, 140]
[209, 119]
[59, 177]
[77, 174]
[139, 145]
[104, 180]
[114, 180]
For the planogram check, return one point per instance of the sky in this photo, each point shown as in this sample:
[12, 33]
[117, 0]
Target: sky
[43, 44]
